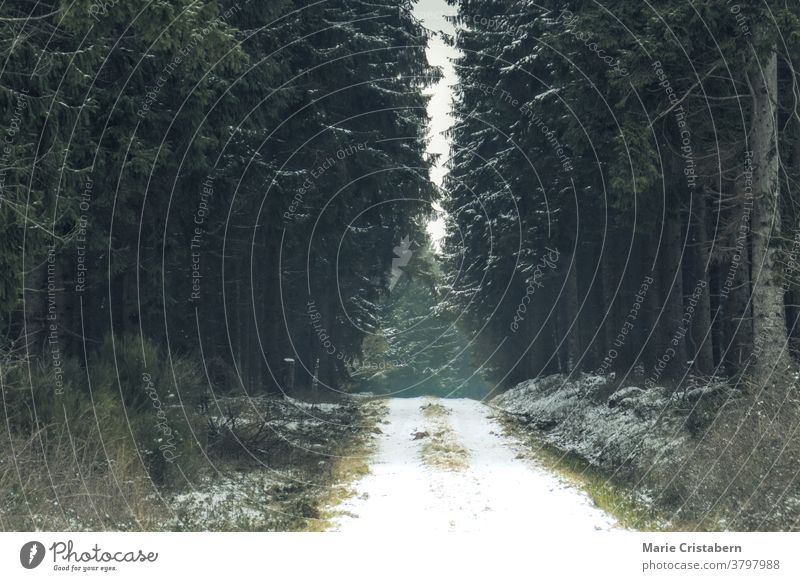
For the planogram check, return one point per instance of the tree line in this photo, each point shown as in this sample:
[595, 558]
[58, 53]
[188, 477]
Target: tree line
[198, 174]
[622, 188]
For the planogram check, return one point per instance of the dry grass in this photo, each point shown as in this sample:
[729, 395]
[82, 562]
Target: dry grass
[81, 464]
[441, 448]
[55, 480]
[348, 466]
[89, 459]
[433, 410]
[743, 470]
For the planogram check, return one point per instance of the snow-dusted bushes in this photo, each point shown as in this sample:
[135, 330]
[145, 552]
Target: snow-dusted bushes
[276, 458]
[632, 427]
[126, 447]
[708, 453]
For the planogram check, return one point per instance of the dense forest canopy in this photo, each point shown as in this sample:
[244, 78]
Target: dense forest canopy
[622, 188]
[233, 184]
[207, 176]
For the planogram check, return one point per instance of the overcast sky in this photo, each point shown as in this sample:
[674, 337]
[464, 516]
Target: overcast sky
[432, 13]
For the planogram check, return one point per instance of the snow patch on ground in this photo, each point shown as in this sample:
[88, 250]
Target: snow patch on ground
[233, 503]
[496, 493]
[323, 407]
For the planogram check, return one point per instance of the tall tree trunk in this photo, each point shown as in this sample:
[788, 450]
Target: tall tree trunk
[276, 346]
[793, 296]
[769, 324]
[569, 314]
[648, 317]
[701, 329]
[238, 332]
[118, 304]
[674, 346]
[609, 276]
[33, 332]
[737, 310]
[718, 334]
[583, 270]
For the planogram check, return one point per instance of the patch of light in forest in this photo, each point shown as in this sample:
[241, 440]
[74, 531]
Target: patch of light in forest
[436, 227]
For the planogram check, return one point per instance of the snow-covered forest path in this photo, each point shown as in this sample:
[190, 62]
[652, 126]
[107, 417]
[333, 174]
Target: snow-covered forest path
[443, 465]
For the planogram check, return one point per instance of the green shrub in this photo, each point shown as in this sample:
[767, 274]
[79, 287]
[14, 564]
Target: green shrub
[116, 432]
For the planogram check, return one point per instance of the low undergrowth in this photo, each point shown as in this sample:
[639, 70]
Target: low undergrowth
[280, 464]
[124, 446]
[614, 498]
[706, 456]
[97, 447]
